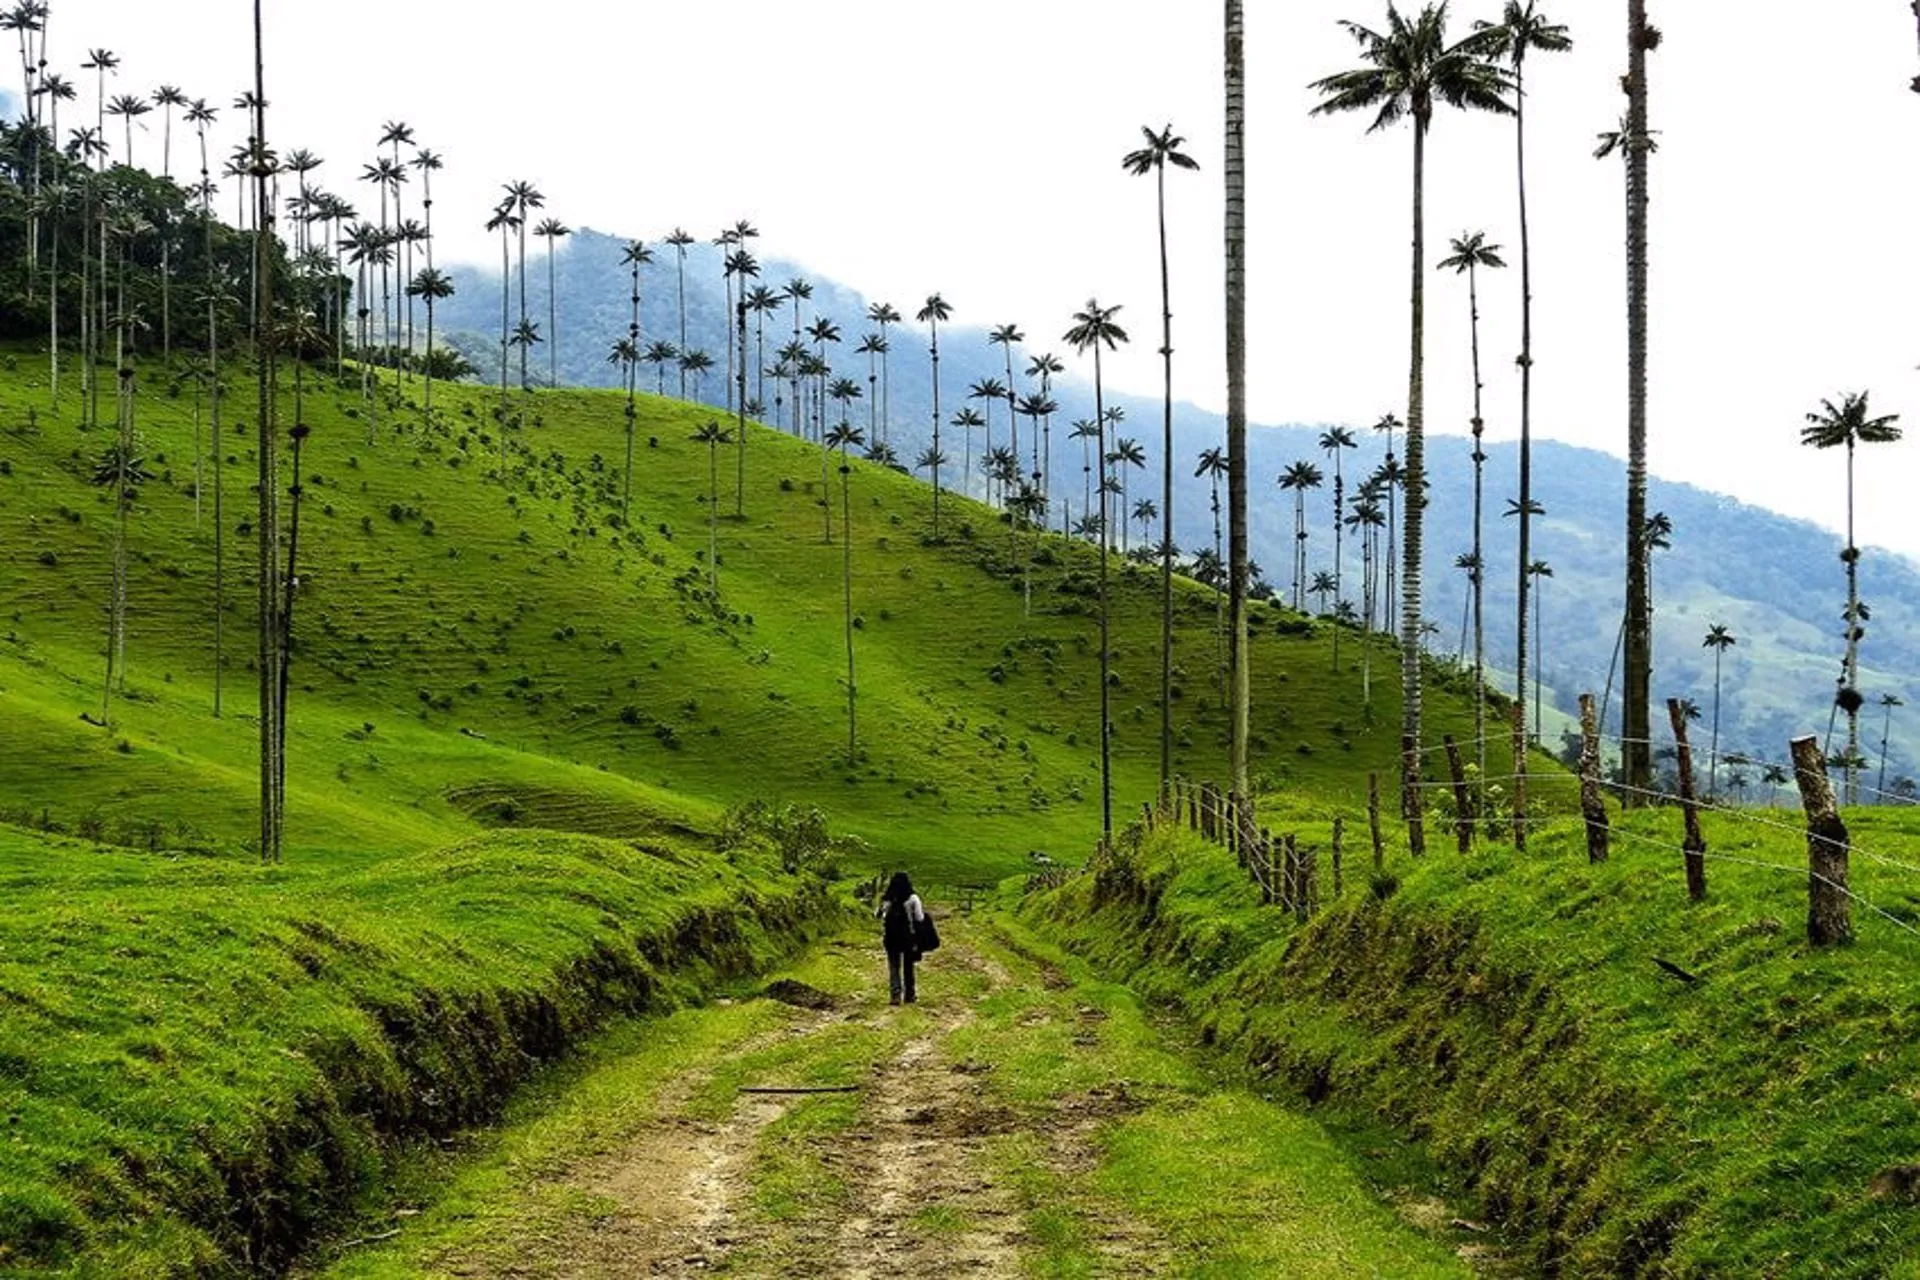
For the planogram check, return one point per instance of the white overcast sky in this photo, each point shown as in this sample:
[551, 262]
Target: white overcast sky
[904, 146]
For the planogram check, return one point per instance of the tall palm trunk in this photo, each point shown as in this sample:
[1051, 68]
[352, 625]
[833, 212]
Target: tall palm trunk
[1852, 775]
[680, 257]
[1637, 750]
[1713, 754]
[1477, 585]
[1236, 305]
[1415, 523]
[934, 350]
[506, 297]
[740, 411]
[1166, 497]
[1525, 517]
[523, 296]
[886, 387]
[553, 315]
[1106, 650]
[846, 579]
[122, 502]
[271, 708]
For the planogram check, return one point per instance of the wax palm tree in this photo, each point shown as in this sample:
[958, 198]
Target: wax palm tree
[1470, 255]
[1719, 639]
[843, 392]
[101, 62]
[525, 198]
[1656, 534]
[1469, 564]
[627, 357]
[1334, 442]
[931, 314]
[1537, 571]
[1297, 479]
[787, 367]
[1001, 467]
[761, 301]
[1006, 337]
[873, 347]
[1323, 586]
[713, 435]
[1387, 425]
[660, 354]
[1367, 518]
[843, 437]
[1163, 149]
[882, 314]
[1145, 512]
[883, 453]
[737, 264]
[795, 292]
[1125, 454]
[128, 107]
[526, 336]
[966, 422]
[553, 231]
[1043, 367]
[428, 163]
[697, 363]
[1213, 466]
[1409, 70]
[992, 390]
[432, 286]
[1087, 432]
[1888, 702]
[680, 239]
[1851, 424]
[1094, 327]
[1038, 408]
[1523, 29]
[1235, 170]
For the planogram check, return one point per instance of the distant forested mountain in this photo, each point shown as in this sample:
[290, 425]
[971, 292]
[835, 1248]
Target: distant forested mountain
[1775, 582]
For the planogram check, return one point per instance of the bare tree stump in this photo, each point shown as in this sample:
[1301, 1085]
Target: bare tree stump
[1695, 845]
[1462, 800]
[1593, 806]
[1519, 778]
[1339, 833]
[1373, 824]
[1829, 910]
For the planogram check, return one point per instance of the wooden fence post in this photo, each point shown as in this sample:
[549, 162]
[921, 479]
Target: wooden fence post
[1829, 911]
[1373, 824]
[1695, 845]
[1593, 807]
[1205, 816]
[1412, 808]
[1519, 778]
[1462, 801]
[1339, 832]
[1303, 877]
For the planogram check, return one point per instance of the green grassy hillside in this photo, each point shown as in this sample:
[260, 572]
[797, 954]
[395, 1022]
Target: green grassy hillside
[1756, 1117]
[483, 643]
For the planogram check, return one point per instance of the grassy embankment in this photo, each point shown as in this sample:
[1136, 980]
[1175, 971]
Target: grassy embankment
[1508, 1013]
[202, 1061]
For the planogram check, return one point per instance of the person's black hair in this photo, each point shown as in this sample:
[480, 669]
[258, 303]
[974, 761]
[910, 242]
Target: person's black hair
[899, 889]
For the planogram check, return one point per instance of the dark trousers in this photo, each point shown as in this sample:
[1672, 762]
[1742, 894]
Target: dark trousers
[900, 975]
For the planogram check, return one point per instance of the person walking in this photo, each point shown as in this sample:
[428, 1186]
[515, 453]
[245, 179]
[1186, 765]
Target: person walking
[901, 916]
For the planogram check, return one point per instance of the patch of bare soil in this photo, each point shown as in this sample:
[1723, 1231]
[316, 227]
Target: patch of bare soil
[921, 1204]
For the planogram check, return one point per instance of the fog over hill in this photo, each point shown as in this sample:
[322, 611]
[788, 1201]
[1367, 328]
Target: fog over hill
[1776, 582]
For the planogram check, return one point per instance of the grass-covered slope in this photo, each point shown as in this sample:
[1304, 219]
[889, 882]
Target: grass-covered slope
[1760, 1120]
[203, 1061]
[467, 629]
